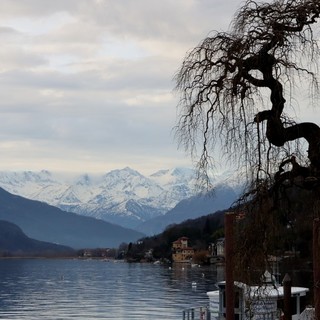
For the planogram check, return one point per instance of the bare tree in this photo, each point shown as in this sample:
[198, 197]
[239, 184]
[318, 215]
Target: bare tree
[235, 87]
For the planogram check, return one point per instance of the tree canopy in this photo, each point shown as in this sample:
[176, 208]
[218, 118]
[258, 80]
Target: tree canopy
[237, 86]
[239, 89]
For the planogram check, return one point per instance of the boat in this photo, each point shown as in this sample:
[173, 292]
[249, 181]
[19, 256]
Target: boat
[262, 302]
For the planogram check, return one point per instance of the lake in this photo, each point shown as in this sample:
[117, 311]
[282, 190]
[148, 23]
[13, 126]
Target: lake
[95, 289]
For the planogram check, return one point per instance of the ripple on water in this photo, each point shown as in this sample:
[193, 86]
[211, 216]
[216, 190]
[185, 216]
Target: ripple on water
[76, 289]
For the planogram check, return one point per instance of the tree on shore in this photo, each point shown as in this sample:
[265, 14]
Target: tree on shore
[236, 86]
[237, 89]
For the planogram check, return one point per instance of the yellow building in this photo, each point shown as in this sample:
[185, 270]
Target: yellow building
[181, 252]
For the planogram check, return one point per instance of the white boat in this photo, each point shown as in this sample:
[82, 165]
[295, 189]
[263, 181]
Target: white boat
[257, 302]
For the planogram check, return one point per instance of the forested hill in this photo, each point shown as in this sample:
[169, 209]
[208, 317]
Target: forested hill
[201, 232]
[47, 223]
[13, 242]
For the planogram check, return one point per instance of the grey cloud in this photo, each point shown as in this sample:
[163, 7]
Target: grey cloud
[96, 87]
[8, 31]
[36, 8]
[143, 74]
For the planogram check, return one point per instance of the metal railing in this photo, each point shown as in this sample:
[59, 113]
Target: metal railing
[203, 313]
[200, 313]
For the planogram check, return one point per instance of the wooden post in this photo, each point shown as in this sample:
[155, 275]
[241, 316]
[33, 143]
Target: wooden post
[287, 297]
[316, 266]
[228, 231]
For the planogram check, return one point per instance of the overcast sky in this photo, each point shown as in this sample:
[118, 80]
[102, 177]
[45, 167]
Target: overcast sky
[87, 85]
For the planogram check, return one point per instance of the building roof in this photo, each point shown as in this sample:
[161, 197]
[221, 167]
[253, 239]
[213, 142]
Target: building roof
[181, 239]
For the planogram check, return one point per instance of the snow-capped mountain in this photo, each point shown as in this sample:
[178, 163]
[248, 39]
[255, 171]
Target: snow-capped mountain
[124, 196]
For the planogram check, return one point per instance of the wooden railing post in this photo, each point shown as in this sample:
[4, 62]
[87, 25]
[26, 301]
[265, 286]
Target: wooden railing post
[229, 238]
[287, 297]
[316, 266]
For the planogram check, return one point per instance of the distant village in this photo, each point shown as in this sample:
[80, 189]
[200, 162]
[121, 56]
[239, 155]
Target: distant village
[181, 252]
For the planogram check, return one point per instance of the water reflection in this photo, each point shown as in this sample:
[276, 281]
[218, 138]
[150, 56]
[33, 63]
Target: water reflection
[90, 289]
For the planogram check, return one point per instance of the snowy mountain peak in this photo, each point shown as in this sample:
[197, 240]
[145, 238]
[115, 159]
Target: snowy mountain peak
[69, 197]
[160, 173]
[14, 177]
[130, 183]
[175, 177]
[122, 174]
[83, 180]
[122, 196]
[183, 172]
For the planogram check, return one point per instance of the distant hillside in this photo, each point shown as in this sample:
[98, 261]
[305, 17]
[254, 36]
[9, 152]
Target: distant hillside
[43, 222]
[13, 242]
[201, 232]
[220, 199]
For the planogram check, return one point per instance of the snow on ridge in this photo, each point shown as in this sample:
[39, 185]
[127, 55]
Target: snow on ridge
[125, 192]
[174, 176]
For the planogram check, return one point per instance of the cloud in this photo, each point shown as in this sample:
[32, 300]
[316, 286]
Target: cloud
[88, 84]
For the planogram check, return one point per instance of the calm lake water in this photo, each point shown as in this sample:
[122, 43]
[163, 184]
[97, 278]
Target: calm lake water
[95, 289]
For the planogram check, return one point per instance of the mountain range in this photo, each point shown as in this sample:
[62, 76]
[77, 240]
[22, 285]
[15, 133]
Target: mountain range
[126, 197]
[47, 223]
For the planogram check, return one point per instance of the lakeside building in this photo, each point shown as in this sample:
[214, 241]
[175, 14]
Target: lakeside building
[181, 252]
[216, 251]
[217, 248]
